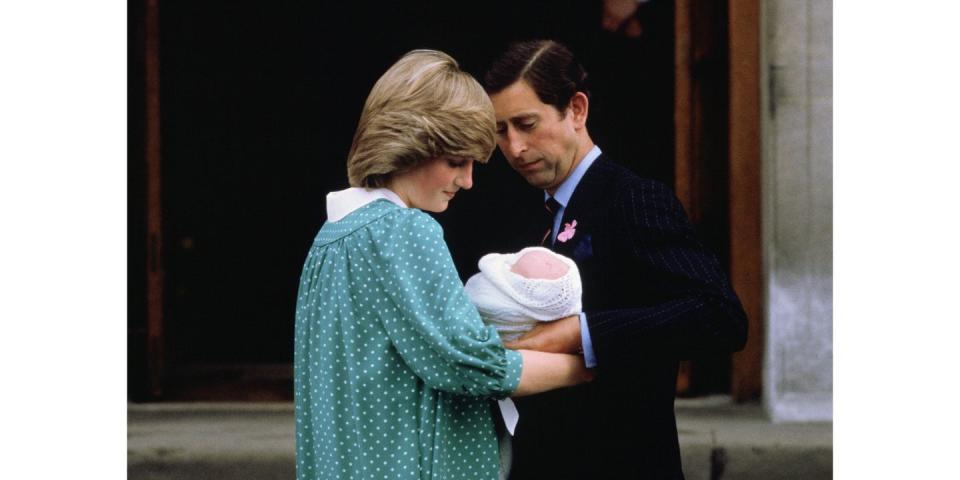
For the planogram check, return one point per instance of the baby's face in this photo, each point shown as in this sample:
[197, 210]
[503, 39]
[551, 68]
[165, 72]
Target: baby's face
[539, 265]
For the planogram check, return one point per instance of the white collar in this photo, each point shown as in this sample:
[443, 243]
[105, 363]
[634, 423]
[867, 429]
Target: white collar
[343, 202]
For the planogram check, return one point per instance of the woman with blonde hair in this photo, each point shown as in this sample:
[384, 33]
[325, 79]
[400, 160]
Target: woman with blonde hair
[393, 365]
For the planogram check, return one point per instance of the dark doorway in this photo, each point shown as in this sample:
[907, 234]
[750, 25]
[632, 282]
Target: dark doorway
[258, 102]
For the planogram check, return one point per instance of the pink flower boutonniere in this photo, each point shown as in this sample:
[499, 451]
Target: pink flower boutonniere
[569, 229]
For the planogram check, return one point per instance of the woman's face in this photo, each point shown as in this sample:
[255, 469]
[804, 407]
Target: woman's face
[431, 185]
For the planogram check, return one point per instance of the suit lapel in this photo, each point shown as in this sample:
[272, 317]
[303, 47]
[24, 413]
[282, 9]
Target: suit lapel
[586, 208]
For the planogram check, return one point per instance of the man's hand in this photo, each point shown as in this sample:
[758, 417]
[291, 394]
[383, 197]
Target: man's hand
[619, 16]
[558, 336]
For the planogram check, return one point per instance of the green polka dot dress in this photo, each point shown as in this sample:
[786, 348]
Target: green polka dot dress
[393, 366]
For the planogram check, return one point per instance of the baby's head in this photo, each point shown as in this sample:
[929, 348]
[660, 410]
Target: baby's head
[540, 264]
[534, 283]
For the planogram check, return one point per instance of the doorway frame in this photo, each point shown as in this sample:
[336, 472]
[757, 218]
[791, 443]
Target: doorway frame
[744, 181]
[744, 168]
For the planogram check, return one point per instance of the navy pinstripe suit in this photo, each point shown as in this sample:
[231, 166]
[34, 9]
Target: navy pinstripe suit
[653, 296]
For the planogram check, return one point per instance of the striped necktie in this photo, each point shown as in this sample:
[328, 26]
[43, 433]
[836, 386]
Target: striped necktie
[551, 206]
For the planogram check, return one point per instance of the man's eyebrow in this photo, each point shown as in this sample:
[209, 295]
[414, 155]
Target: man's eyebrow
[524, 116]
[518, 118]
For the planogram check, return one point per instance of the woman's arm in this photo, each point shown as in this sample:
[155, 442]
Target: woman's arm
[426, 314]
[548, 371]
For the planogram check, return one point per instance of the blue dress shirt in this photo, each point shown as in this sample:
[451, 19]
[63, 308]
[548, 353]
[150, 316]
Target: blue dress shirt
[562, 196]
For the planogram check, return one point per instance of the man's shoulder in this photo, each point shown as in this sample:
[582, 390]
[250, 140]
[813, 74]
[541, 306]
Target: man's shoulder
[616, 182]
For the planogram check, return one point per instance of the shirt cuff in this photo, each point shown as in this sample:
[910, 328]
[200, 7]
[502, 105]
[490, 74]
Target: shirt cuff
[589, 358]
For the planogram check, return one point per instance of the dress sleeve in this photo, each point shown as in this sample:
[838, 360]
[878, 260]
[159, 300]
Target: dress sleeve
[433, 325]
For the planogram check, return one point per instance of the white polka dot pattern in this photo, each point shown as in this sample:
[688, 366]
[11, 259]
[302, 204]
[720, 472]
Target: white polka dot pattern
[392, 362]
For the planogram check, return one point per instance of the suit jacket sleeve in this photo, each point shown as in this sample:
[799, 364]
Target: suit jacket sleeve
[689, 308]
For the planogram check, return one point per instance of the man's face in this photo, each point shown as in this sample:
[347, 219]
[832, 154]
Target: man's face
[539, 143]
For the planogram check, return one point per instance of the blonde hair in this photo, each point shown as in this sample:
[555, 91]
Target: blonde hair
[422, 108]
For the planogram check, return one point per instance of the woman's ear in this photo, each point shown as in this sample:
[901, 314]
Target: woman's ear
[579, 107]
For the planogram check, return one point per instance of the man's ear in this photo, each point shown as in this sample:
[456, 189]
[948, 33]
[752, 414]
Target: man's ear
[579, 107]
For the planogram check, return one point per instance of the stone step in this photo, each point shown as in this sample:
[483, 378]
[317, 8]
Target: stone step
[718, 440]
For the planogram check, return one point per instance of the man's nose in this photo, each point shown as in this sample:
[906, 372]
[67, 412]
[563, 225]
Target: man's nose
[513, 145]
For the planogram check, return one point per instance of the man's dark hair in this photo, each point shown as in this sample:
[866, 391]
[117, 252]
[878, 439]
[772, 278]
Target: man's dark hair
[547, 66]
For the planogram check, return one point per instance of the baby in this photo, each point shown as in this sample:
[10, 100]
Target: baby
[515, 291]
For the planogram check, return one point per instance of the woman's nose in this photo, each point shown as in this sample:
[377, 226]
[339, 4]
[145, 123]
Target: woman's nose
[465, 180]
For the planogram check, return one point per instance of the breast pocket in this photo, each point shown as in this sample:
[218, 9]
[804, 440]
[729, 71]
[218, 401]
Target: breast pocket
[584, 249]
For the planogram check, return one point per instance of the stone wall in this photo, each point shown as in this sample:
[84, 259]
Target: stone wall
[797, 63]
